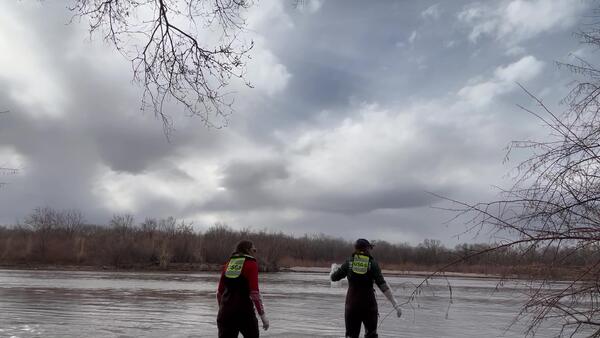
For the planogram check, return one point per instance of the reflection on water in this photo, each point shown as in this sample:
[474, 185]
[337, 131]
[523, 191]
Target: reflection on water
[111, 304]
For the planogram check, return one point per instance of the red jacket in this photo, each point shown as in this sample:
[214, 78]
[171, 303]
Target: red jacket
[249, 273]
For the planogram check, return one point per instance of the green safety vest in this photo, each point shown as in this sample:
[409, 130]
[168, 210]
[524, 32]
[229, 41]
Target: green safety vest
[360, 264]
[234, 267]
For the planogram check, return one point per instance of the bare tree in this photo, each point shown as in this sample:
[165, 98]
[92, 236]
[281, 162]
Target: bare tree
[554, 205]
[122, 223]
[173, 52]
[72, 221]
[43, 221]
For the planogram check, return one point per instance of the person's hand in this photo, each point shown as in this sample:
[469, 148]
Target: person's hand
[265, 321]
[398, 311]
[334, 268]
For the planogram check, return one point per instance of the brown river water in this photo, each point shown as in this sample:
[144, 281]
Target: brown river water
[134, 304]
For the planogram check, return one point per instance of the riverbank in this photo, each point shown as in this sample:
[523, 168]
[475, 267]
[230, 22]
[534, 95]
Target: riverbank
[303, 269]
[457, 271]
[190, 268]
[177, 267]
[216, 268]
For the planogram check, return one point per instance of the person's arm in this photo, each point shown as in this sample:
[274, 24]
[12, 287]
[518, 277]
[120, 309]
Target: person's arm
[378, 276]
[384, 287]
[250, 271]
[340, 273]
[221, 287]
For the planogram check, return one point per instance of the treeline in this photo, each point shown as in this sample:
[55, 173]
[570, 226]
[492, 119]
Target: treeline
[51, 237]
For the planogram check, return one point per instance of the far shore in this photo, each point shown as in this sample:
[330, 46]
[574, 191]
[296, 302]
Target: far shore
[302, 269]
[172, 268]
[190, 268]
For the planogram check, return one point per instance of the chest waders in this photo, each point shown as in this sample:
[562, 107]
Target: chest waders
[236, 296]
[236, 313]
[361, 306]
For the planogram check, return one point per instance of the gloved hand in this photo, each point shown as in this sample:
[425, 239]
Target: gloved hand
[398, 310]
[265, 321]
[390, 296]
[334, 268]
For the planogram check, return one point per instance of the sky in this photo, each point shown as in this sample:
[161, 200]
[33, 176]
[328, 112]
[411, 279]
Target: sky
[359, 116]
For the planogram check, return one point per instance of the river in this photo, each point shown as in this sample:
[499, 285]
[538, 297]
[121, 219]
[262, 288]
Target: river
[132, 304]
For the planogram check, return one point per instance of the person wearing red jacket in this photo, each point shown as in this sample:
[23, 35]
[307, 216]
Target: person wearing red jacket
[238, 295]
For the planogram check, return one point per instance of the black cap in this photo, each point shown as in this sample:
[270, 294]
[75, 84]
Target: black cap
[362, 243]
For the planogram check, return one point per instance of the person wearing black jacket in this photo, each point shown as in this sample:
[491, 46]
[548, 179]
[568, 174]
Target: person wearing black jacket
[362, 271]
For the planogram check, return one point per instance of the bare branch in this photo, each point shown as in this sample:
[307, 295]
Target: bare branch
[169, 45]
[553, 206]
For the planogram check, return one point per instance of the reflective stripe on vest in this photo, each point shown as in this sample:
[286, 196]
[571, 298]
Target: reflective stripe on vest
[360, 264]
[234, 267]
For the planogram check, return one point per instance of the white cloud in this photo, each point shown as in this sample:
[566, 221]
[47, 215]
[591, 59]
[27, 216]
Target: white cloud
[310, 6]
[349, 152]
[450, 43]
[181, 182]
[10, 158]
[523, 70]
[384, 148]
[130, 193]
[34, 83]
[481, 93]
[585, 52]
[515, 51]
[519, 20]
[433, 12]
[412, 37]
[266, 72]
[266, 15]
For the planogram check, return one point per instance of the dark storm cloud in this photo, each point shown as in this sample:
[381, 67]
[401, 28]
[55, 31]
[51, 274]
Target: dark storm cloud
[248, 185]
[267, 184]
[241, 176]
[364, 202]
[317, 86]
[101, 125]
[349, 52]
[56, 172]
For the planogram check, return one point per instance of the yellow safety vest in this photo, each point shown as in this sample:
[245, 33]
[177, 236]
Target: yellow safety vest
[234, 267]
[360, 264]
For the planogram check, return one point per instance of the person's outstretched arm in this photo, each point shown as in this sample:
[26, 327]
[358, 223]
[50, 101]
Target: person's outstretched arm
[250, 271]
[384, 287]
[340, 273]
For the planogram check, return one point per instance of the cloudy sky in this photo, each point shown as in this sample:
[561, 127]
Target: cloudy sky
[358, 111]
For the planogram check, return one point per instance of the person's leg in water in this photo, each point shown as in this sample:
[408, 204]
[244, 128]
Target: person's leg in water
[353, 321]
[370, 320]
[227, 328]
[249, 327]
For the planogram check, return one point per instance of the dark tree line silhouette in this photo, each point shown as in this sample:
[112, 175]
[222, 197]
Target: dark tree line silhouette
[61, 237]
